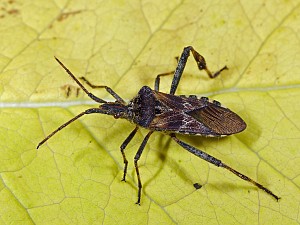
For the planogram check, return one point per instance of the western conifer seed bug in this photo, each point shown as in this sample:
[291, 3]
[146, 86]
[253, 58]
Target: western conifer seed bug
[170, 114]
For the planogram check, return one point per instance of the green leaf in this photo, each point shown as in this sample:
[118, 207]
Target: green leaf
[75, 177]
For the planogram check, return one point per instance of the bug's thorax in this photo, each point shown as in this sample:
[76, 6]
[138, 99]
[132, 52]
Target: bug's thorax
[140, 110]
[143, 107]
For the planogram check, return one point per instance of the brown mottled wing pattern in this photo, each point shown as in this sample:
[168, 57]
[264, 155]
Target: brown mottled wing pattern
[194, 116]
[179, 122]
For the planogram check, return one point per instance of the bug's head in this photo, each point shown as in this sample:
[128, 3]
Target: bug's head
[117, 110]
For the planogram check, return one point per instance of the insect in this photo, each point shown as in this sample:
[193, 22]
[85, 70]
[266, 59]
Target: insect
[197, 186]
[170, 114]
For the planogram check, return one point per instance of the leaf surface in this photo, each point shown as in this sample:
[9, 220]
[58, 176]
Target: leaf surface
[75, 178]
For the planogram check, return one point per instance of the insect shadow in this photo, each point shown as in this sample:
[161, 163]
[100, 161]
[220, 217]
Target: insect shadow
[169, 114]
[162, 155]
[69, 90]
[175, 165]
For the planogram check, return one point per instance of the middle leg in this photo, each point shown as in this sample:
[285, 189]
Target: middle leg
[136, 159]
[157, 79]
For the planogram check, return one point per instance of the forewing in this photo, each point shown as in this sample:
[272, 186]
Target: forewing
[176, 121]
[194, 116]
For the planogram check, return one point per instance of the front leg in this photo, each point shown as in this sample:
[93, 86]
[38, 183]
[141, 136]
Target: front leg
[108, 89]
[181, 65]
[122, 148]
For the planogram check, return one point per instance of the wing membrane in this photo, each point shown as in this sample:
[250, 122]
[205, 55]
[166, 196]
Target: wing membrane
[220, 120]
